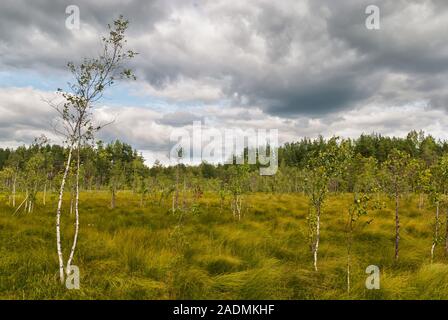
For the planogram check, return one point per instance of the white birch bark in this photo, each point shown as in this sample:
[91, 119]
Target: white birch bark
[316, 246]
[45, 194]
[436, 233]
[14, 191]
[58, 216]
[75, 237]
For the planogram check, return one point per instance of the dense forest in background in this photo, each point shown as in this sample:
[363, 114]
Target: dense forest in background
[118, 166]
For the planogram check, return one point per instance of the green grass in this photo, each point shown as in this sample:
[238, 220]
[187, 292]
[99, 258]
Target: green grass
[143, 253]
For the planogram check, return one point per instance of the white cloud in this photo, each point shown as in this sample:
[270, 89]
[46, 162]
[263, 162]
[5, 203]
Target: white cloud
[24, 115]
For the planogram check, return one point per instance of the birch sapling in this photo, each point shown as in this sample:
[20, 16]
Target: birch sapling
[396, 172]
[237, 185]
[363, 173]
[326, 162]
[358, 209]
[91, 78]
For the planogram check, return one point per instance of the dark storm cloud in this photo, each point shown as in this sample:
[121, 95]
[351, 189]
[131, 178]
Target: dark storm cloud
[411, 43]
[289, 58]
[23, 21]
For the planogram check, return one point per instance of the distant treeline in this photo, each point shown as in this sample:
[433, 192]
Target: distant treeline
[416, 144]
[118, 166]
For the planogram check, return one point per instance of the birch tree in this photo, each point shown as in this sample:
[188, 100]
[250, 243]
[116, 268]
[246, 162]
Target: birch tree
[364, 185]
[91, 78]
[238, 187]
[438, 195]
[324, 164]
[396, 170]
[140, 182]
[34, 178]
[116, 180]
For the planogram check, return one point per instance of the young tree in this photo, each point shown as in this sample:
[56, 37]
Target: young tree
[324, 164]
[179, 155]
[423, 185]
[435, 197]
[237, 184]
[34, 178]
[140, 179]
[395, 180]
[363, 171]
[91, 78]
[116, 180]
[440, 184]
[417, 178]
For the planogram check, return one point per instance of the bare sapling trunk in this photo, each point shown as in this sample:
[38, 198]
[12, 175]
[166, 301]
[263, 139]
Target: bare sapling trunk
[348, 269]
[238, 204]
[436, 233]
[26, 202]
[397, 225]
[316, 244]
[75, 237]
[14, 191]
[232, 205]
[176, 193]
[112, 200]
[45, 194]
[349, 251]
[58, 214]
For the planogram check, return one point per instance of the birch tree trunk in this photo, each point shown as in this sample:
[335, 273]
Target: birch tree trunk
[316, 245]
[26, 202]
[397, 226]
[14, 191]
[112, 201]
[348, 271]
[45, 194]
[58, 215]
[75, 237]
[436, 233]
[349, 251]
[176, 197]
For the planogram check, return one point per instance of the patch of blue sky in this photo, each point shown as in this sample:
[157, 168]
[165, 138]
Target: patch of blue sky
[120, 95]
[30, 78]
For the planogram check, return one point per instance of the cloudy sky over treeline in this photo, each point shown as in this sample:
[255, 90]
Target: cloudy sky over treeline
[302, 67]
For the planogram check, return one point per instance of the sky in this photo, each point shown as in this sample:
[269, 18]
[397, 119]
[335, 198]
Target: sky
[305, 68]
